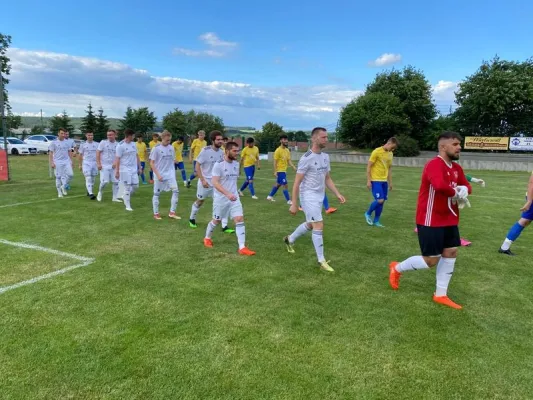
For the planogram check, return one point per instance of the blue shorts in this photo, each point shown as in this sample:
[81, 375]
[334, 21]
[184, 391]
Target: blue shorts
[143, 164]
[179, 165]
[528, 214]
[249, 172]
[282, 178]
[380, 190]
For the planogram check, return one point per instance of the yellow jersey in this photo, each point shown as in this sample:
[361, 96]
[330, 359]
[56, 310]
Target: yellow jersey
[178, 149]
[141, 151]
[196, 147]
[153, 143]
[249, 156]
[382, 160]
[282, 156]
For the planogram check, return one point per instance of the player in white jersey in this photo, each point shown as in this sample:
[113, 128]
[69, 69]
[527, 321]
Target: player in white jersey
[162, 164]
[87, 162]
[128, 166]
[105, 162]
[226, 199]
[312, 178]
[204, 167]
[60, 159]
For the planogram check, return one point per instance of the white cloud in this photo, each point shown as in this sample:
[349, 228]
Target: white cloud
[444, 91]
[211, 39]
[30, 114]
[386, 59]
[217, 47]
[54, 82]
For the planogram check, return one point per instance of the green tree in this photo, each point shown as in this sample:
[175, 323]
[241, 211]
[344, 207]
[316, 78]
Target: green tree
[497, 100]
[13, 121]
[196, 121]
[437, 126]
[5, 68]
[175, 122]
[36, 130]
[61, 121]
[268, 138]
[24, 134]
[300, 136]
[290, 135]
[139, 120]
[369, 120]
[88, 122]
[101, 125]
[414, 92]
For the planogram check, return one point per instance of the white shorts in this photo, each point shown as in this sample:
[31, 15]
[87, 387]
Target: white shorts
[63, 170]
[129, 178]
[89, 170]
[225, 208]
[312, 209]
[165, 186]
[203, 193]
[107, 174]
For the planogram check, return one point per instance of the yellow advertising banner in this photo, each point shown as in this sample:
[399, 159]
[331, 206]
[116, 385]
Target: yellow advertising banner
[486, 143]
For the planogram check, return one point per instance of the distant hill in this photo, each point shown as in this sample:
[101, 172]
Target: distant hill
[30, 122]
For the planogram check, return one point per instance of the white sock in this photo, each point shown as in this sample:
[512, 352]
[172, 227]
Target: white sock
[115, 190]
[445, 269]
[102, 186]
[89, 184]
[155, 203]
[174, 200]
[412, 264]
[241, 234]
[318, 242]
[506, 245]
[300, 231]
[210, 229]
[194, 211]
[127, 196]
[64, 180]
[224, 222]
[58, 185]
[134, 188]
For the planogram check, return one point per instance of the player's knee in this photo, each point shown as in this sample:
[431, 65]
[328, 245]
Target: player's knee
[238, 219]
[524, 222]
[216, 222]
[381, 201]
[199, 203]
[317, 226]
[431, 261]
[450, 253]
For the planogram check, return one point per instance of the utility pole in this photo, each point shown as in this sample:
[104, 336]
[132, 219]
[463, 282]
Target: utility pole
[4, 124]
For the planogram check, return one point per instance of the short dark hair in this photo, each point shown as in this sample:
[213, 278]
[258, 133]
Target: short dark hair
[112, 130]
[139, 135]
[62, 130]
[393, 140]
[283, 137]
[450, 135]
[225, 138]
[231, 145]
[214, 134]
[317, 129]
[181, 138]
[89, 132]
[128, 132]
[250, 140]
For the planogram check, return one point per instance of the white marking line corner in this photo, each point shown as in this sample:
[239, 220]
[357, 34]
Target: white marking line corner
[84, 261]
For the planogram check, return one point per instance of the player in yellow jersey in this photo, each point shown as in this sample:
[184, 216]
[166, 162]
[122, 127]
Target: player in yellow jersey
[142, 152]
[154, 142]
[196, 147]
[379, 179]
[282, 159]
[178, 162]
[249, 160]
[225, 141]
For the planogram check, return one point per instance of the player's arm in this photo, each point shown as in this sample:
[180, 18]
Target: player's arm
[276, 158]
[155, 170]
[51, 158]
[529, 200]
[257, 162]
[371, 161]
[139, 168]
[80, 162]
[98, 159]
[199, 172]
[71, 155]
[436, 177]
[191, 150]
[463, 181]
[389, 177]
[331, 186]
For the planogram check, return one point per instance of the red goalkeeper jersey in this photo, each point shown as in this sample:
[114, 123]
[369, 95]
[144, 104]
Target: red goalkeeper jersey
[439, 180]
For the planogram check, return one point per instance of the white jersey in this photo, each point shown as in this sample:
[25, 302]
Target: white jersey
[127, 152]
[88, 150]
[228, 172]
[61, 149]
[108, 151]
[70, 142]
[315, 167]
[207, 160]
[163, 157]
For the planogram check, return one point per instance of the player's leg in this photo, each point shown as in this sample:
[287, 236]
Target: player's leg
[151, 174]
[173, 187]
[193, 175]
[105, 178]
[381, 203]
[220, 208]
[143, 165]
[116, 185]
[201, 195]
[236, 213]
[245, 183]
[69, 175]
[515, 231]
[181, 167]
[329, 210]
[155, 199]
[87, 173]
[446, 266]
[279, 183]
[376, 193]
[286, 188]
[251, 182]
[127, 179]
[59, 183]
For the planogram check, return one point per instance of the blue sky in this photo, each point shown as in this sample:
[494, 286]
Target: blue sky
[292, 62]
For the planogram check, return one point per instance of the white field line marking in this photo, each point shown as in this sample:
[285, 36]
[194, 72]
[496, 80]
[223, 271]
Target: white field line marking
[40, 201]
[411, 190]
[84, 261]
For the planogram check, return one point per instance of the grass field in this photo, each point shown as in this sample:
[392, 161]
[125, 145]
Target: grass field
[158, 316]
